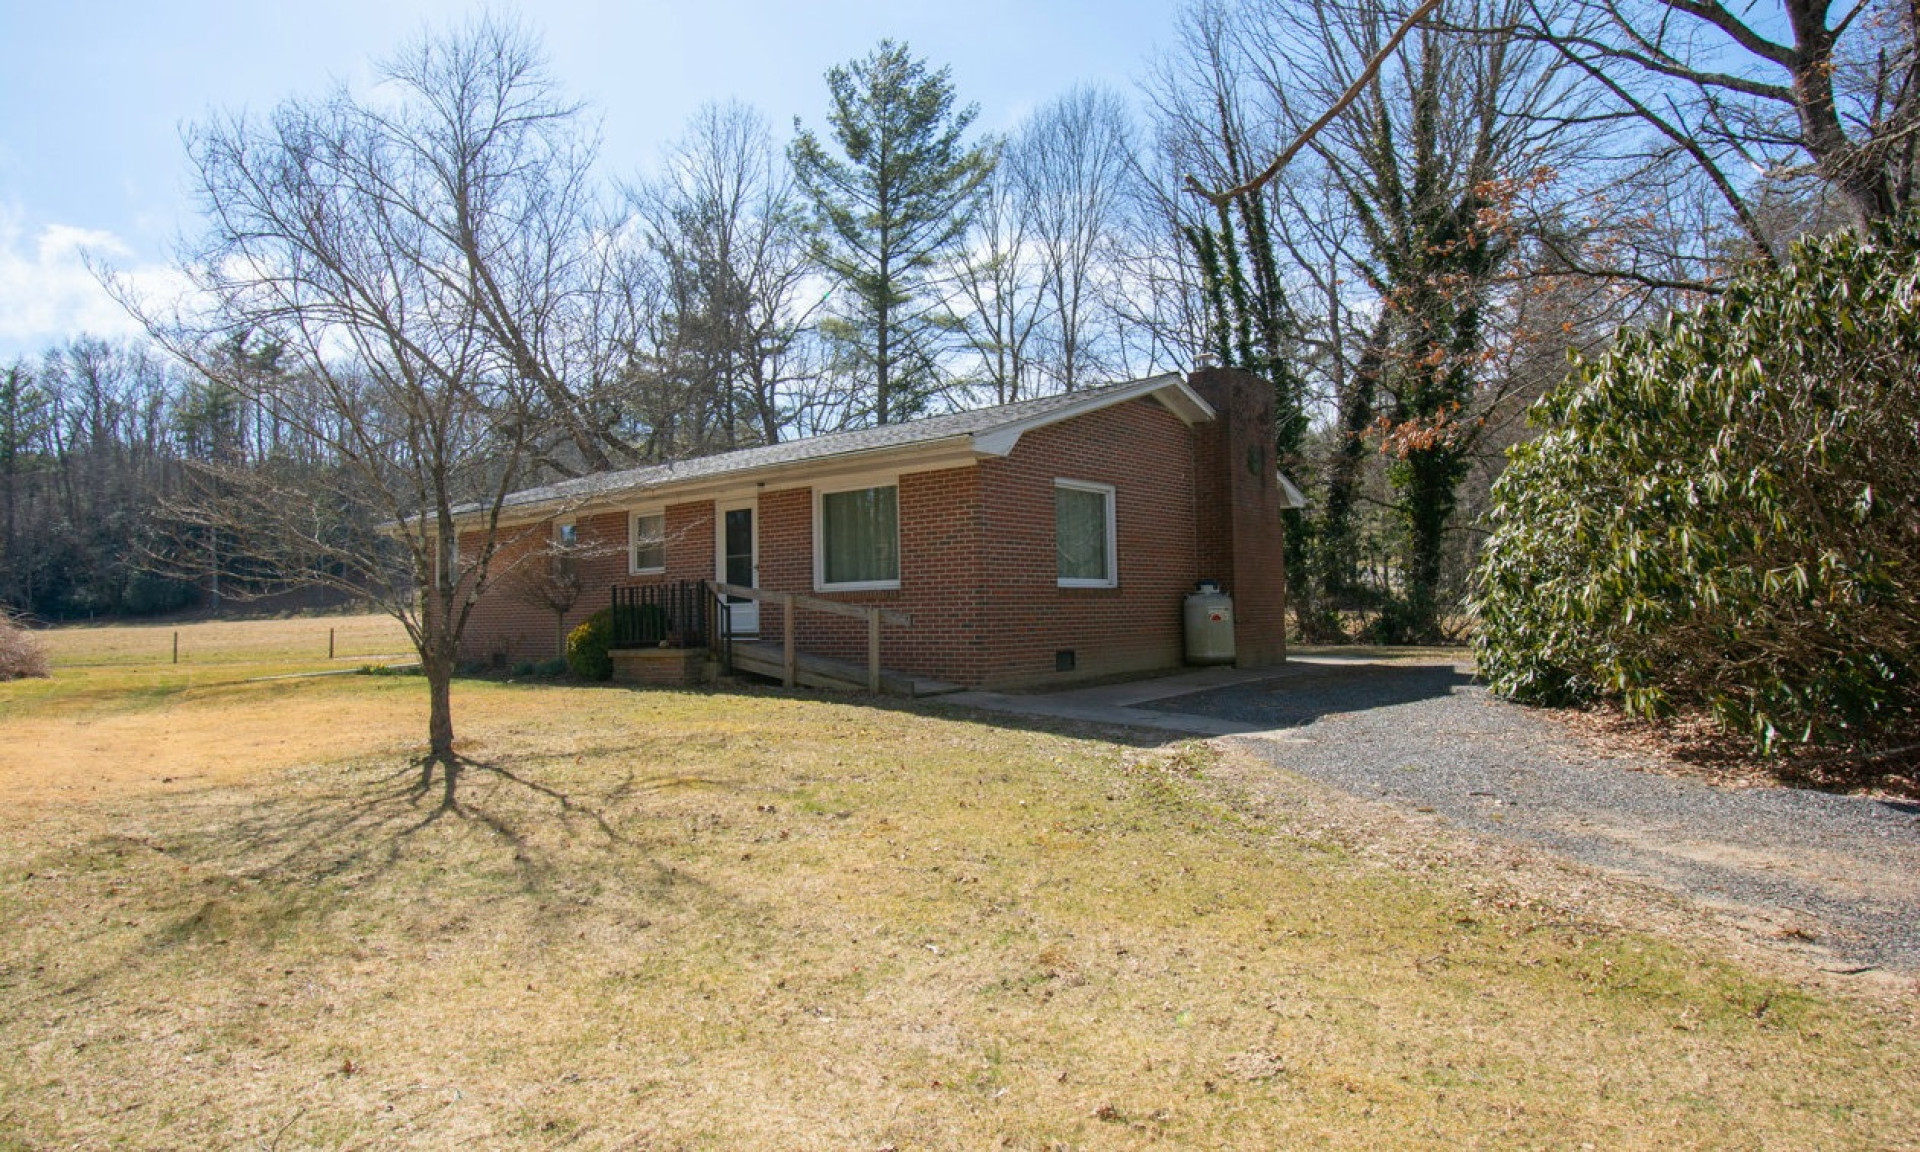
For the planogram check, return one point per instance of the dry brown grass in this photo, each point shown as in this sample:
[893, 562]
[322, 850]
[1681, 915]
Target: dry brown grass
[1697, 745]
[666, 920]
[121, 714]
[21, 654]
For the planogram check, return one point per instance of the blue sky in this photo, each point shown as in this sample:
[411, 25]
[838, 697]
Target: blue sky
[93, 96]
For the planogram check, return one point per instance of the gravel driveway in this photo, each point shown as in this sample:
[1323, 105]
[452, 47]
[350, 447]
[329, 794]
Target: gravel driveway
[1844, 869]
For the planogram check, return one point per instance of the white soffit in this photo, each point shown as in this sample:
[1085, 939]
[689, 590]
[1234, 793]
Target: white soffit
[1290, 495]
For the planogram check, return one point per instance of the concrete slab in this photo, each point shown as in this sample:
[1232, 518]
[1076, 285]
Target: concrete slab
[1063, 709]
[1120, 703]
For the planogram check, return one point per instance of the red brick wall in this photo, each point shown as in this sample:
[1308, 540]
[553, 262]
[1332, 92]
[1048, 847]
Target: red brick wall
[1146, 453]
[506, 627]
[978, 571]
[939, 579]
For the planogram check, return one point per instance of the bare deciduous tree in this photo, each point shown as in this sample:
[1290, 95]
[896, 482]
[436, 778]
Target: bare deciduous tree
[1378, 264]
[729, 261]
[996, 287]
[1070, 163]
[424, 258]
[1804, 88]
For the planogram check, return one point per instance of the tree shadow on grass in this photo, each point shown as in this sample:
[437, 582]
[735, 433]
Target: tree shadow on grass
[264, 868]
[453, 767]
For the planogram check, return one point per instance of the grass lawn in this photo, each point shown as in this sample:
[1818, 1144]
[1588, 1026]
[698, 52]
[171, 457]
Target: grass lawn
[719, 920]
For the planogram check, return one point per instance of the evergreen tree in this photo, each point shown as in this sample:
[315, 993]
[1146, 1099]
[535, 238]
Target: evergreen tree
[901, 198]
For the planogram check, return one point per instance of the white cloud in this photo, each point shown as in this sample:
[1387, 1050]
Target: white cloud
[47, 294]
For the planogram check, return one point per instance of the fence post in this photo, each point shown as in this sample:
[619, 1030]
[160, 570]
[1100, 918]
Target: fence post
[873, 649]
[176, 647]
[789, 657]
[329, 643]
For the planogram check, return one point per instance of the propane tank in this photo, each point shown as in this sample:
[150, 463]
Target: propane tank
[1209, 621]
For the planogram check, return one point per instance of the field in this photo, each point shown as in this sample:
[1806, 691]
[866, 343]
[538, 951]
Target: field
[753, 919]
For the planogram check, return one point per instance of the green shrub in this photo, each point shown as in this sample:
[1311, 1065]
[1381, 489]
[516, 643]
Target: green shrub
[553, 668]
[522, 670]
[587, 647]
[1723, 512]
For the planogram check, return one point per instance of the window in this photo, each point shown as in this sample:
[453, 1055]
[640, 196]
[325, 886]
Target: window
[647, 542]
[857, 538]
[1083, 527]
[560, 566]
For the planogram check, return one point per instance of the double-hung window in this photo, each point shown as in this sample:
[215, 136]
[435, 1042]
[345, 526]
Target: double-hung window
[1083, 524]
[647, 543]
[857, 538]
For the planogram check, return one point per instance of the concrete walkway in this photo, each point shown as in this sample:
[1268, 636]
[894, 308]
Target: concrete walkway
[1151, 703]
[1126, 703]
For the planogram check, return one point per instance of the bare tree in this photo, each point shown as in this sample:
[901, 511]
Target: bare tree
[88, 443]
[544, 572]
[730, 259]
[1801, 89]
[1159, 306]
[997, 290]
[1070, 162]
[423, 259]
[1370, 266]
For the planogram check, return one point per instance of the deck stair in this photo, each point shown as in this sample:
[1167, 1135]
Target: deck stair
[764, 658]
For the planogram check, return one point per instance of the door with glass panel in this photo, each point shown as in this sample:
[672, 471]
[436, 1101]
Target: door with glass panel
[737, 542]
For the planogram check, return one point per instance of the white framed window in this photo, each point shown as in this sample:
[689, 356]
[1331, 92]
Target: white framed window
[566, 534]
[856, 538]
[647, 542]
[1084, 534]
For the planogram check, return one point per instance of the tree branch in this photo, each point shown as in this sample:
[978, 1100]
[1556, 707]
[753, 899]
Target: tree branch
[1712, 13]
[1224, 198]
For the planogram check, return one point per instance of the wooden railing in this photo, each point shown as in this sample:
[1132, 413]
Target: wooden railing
[790, 602]
[647, 615]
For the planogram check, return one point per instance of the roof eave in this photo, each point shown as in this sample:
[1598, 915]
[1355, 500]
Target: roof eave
[1169, 389]
[926, 455]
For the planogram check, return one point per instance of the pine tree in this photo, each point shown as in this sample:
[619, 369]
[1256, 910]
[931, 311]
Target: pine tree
[901, 198]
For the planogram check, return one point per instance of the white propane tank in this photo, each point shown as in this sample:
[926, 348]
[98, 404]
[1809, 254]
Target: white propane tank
[1209, 619]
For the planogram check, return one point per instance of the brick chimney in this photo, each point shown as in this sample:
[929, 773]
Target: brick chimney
[1237, 520]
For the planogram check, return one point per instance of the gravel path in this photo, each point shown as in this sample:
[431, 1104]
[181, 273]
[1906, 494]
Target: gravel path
[1842, 869]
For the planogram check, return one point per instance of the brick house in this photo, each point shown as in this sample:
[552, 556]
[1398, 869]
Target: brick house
[1040, 542]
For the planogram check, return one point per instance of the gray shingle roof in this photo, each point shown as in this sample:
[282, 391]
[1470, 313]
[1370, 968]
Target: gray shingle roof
[886, 437]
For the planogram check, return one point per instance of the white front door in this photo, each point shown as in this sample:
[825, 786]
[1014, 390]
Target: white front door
[737, 560]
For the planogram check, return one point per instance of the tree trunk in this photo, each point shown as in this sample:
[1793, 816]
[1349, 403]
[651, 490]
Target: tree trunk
[1430, 500]
[439, 672]
[8, 449]
[1339, 549]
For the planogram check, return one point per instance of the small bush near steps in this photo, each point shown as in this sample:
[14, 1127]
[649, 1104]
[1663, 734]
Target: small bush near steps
[588, 645]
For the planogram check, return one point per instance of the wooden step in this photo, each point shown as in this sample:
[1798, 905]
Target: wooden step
[763, 658]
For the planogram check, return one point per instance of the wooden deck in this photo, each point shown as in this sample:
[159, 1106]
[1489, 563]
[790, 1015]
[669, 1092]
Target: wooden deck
[764, 658]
